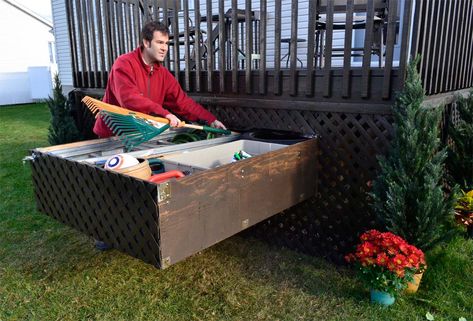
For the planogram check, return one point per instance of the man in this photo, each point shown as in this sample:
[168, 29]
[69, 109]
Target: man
[138, 81]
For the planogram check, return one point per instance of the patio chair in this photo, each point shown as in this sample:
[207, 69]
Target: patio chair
[171, 4]
[179, 38]
[214, 35]
[359, 23]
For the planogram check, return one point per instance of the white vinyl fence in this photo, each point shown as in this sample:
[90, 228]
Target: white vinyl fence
[25, 87]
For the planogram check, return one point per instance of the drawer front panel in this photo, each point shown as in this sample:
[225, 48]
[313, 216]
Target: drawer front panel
[208, 207]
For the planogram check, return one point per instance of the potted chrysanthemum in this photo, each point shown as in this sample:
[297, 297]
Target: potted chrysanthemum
[386, 264]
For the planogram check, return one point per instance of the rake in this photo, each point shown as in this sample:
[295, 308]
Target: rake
[131, 130]
[134, 128]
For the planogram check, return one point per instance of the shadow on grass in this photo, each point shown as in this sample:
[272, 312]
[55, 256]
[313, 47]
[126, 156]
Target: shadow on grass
[264, 264]
[40, 246]
[55, 252]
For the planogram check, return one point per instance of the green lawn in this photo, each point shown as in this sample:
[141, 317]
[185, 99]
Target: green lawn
[51, 272]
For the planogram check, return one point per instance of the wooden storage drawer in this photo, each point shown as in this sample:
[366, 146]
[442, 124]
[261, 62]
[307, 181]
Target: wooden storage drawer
[162, 224]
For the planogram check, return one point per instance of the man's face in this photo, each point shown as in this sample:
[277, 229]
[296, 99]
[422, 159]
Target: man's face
[156, 49]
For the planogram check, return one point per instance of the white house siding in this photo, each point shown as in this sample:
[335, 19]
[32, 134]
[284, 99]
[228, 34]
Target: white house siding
[63, 48]
[24, 43]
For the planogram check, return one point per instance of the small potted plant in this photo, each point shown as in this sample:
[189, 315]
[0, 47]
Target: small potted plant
[464, 211]
[386, 264]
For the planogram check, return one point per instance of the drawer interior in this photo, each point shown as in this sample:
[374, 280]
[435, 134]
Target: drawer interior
[215, 156]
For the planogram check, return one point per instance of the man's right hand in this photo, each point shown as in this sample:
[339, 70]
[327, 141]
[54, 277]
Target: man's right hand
[173, 120]
[218, 124]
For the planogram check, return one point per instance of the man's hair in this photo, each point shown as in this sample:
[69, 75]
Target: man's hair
[150, 27]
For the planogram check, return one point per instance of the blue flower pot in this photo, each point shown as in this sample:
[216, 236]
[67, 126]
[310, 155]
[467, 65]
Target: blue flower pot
[381, 297]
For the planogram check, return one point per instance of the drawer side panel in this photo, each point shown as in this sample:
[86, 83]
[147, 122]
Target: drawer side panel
[115, 208]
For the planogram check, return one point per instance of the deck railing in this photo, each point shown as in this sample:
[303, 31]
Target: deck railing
[339, 51]
[443, 33]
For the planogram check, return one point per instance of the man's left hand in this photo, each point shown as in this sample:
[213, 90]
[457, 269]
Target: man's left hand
[217, 124]
[173, 120]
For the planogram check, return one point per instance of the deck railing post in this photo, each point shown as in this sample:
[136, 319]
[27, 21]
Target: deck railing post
[405, 40]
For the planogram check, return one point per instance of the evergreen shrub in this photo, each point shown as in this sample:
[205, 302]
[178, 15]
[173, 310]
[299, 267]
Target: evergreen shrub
[62, 128]
[408, 195]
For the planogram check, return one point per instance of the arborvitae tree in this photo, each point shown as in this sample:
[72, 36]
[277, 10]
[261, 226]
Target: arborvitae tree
[460, 153]
[408, 196]
[62, 128]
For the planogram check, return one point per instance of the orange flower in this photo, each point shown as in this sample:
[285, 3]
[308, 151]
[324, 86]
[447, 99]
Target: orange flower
[391, 266]
[404, 248]
[400, 260]
[400, 273]
[367, 261]
[367, 248]
[391, 250]
[382, 259]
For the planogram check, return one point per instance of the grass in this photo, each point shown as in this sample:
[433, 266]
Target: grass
[51, 272]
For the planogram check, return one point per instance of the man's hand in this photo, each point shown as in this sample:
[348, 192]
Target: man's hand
[217, 124]
[173, 120]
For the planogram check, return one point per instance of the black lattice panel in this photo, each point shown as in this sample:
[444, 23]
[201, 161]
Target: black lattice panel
[450, 115]
[117, 209]
[328, 224]
[83, 118]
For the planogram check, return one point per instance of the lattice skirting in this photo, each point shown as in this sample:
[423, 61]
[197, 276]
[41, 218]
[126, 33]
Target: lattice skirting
[83, 118]
[328, 224]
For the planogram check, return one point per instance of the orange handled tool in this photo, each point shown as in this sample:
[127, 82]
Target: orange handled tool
[160, 178]
[95, 105]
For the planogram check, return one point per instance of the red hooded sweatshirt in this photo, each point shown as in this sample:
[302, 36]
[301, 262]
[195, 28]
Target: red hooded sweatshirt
[134, 85]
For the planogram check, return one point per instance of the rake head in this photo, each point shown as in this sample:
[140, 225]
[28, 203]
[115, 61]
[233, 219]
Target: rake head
[131, 130]
[95, 105]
